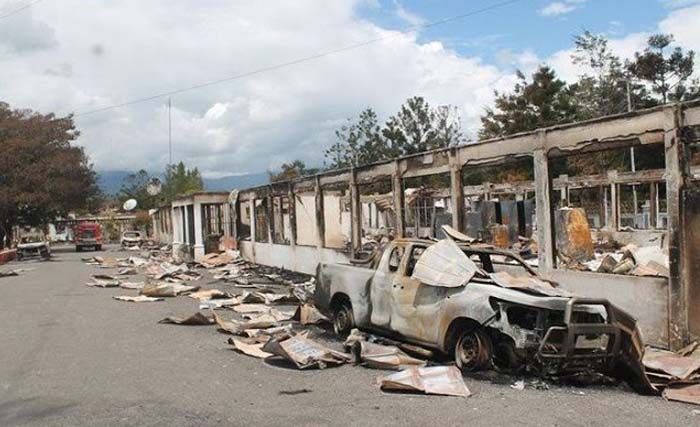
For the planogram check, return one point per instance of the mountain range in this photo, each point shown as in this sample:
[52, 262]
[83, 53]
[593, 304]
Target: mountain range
[111, 181]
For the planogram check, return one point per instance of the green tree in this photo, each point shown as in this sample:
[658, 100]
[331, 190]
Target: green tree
[667, 74]
[135, 186]
[181, 180]
[41, 174]
[605, 90]
[417, 127]
[289, 171]
[545, 101]
[359, 142]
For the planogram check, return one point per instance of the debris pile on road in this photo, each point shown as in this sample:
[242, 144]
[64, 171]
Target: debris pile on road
[140, 298]
[305, 353]
[441, 380]
[676, 375]
[197, 319]
[13, 272]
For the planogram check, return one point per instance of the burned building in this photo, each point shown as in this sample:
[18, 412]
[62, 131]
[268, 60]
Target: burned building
[332, 216]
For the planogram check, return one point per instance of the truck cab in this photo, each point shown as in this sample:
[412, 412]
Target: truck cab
[88, 235]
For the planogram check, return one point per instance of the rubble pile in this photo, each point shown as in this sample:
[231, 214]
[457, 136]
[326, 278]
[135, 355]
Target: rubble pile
[272, 317]
[675, 375]
[274, 310]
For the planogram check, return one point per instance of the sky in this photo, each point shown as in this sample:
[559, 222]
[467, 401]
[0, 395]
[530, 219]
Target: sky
[77, 56]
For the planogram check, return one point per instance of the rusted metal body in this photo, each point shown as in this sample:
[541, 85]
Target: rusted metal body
[526, 319]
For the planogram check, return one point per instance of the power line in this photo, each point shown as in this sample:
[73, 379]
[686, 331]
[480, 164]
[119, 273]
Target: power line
[19, 9]
[300, 60]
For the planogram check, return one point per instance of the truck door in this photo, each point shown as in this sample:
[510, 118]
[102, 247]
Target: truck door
[381, 286]
[414, 304]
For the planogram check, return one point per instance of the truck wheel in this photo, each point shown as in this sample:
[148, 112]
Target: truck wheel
[343, 319]
[473, 350]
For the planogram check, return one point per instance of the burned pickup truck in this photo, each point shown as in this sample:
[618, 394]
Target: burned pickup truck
[484, 307]
[32, 242]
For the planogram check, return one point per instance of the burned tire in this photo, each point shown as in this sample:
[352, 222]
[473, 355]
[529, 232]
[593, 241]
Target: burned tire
[473, 350]
[343, 319]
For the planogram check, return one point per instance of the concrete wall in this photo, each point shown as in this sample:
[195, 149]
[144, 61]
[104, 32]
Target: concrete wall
[645, 298]
[303, 259]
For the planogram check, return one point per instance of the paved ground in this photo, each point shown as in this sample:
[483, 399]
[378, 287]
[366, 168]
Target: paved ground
[70, 355]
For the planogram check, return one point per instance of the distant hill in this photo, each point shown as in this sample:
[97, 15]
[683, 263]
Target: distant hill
[111, 181]
[228, 183]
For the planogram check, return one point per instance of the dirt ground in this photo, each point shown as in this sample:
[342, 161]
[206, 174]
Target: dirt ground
[71, 355]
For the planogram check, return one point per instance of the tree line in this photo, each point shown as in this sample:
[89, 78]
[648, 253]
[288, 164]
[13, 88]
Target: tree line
[656, 75]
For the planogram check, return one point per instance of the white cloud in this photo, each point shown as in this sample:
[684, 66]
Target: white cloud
[406, 15]
[558, 8]
[680, 23]
[106, 53]
[677, 4]
[683, 24]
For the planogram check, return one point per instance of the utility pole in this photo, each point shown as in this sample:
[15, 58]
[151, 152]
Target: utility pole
[170, 135]
[168, 177]
[632, 162]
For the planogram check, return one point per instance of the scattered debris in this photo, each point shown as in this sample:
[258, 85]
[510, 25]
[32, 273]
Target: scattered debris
[9, 273]
[103, 281]
[308, 314]
[166, 289]
[249, 347]
[439, 380]
[197, 319]
[124, 271]
[208, 294]
[140, 298]
[294, 392]
[380, 356]
[518, 385]
[131, 285]
[683, 393]
[444, 264]
[305, 353]
[215, 260]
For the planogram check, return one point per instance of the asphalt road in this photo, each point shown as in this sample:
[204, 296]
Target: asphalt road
[70, 355]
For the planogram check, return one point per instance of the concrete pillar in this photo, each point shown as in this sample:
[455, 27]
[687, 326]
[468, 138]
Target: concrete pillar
[198, 232]
[397, 191]
[487, 190]
[653, 205]
[675, 179]
[186, 238]
[545, 222]
[292, 203]
[176, 225]
[320, 217]
[253, 221]
[270, 213]
[355, 213]
[614, 201]
[456, 191]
